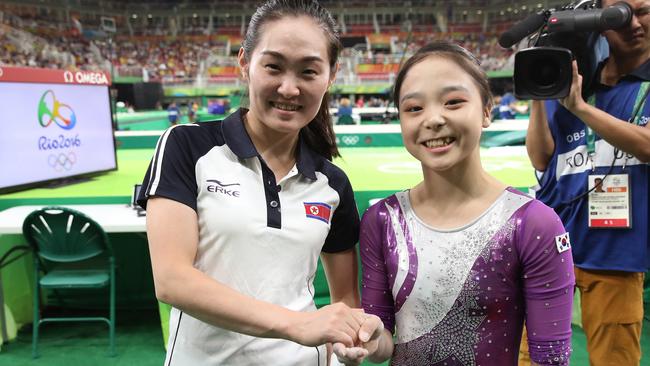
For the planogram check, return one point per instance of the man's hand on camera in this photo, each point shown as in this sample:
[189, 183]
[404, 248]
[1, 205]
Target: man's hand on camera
[574, 102]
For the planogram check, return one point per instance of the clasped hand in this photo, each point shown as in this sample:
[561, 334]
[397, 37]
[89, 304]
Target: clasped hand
[369, 333]
[353, 333]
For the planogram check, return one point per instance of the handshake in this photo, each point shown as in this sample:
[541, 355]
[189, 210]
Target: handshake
[354, 334]
[368, 338]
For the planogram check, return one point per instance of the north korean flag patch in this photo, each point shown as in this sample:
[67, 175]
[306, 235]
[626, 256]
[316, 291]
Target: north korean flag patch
[562, 242]
[318, 210]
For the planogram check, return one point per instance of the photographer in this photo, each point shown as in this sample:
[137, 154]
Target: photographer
[573, 142]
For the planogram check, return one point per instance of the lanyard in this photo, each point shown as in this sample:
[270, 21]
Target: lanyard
[641, 98]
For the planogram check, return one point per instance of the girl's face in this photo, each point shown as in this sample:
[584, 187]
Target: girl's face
[288, 73]
[441, 113]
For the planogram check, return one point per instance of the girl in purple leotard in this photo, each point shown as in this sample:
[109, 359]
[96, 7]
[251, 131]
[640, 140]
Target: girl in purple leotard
[455, 265]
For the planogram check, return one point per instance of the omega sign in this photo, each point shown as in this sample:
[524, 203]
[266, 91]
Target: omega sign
[85, 77]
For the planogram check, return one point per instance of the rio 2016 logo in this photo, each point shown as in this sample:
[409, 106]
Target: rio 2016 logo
[51, 110]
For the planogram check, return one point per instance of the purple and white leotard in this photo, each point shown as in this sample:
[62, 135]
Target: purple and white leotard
[460, 297]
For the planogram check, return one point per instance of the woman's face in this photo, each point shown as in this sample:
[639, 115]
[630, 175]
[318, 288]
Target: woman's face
[441, 113]
[288, 73]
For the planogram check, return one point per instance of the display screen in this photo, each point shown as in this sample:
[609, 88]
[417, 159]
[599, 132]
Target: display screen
[136, 193]
[53, 131]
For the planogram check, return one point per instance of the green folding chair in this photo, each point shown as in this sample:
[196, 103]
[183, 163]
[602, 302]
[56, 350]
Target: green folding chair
[345, 119]
[71, 251]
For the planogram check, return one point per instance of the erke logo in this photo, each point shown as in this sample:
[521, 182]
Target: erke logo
[219, 187]
[563, 242]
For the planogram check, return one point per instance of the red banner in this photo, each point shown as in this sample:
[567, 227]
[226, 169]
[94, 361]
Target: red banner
[36, 75]
[609, 223]
[223, 71]
[377, 68]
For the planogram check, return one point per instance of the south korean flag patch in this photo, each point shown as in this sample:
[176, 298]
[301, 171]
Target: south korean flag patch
[562, 242]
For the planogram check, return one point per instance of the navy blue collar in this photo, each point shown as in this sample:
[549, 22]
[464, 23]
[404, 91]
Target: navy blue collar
[307, 158]
[236, 136]
[642, 72]
[240, 143]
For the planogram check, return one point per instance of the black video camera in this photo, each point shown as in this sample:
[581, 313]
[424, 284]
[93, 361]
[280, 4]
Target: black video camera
[544, 70]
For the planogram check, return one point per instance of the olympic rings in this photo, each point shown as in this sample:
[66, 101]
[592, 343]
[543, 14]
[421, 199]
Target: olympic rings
[350, 140]
[62, 161]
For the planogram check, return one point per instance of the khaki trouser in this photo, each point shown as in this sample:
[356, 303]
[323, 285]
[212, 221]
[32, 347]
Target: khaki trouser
[612, 315]
[524, 355]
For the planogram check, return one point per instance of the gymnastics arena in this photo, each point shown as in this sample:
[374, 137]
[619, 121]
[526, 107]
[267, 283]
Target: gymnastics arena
[87, 88]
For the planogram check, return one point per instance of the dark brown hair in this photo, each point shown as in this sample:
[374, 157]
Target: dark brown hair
[319, 133]
[454, 52]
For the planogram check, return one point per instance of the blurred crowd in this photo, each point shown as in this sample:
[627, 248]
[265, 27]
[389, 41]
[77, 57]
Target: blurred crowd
[28, 40]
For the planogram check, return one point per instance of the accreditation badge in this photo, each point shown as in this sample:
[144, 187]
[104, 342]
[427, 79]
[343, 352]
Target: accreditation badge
[609, 201]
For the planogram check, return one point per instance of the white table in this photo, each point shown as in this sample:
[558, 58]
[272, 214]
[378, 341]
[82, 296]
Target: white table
[113, 218]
